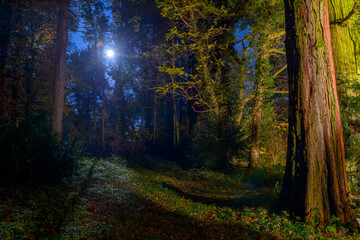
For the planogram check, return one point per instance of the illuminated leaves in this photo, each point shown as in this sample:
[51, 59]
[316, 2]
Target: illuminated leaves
[200, 32]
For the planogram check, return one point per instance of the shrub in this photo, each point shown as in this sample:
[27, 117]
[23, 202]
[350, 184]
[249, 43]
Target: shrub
[30, 152]
[214, 146]
[130, 146]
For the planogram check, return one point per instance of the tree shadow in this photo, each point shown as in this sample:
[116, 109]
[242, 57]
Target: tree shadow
[255, 187]
[47, 207]
[144, 219]
[139, 217]
[262, 197]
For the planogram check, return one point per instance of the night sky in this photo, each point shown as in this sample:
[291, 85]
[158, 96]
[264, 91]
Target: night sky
[77, 39]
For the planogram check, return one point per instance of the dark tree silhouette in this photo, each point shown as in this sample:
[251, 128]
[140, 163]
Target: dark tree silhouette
[57, 107]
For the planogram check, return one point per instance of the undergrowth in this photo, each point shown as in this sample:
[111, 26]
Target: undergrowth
[30, 153]
[109, 200]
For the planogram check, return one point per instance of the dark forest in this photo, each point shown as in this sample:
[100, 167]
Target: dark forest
[179, 119]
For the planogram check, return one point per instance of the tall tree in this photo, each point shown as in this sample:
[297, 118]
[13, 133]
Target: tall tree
[315, 177]
[258, 102]
[26, 58]
[204, 28]
[265, 21]
[57, 107]
[345, 34]
[95, 33]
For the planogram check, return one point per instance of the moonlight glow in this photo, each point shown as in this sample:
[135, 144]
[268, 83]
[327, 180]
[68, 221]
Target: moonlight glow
[110, 53]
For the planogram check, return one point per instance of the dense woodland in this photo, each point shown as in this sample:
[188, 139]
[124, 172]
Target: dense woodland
[209, 115]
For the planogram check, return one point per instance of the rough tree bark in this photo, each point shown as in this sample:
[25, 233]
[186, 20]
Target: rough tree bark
[315, 176]
[57, 107]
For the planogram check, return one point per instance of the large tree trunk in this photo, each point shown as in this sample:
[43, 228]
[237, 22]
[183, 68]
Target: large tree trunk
[315, 176]
[57, 107]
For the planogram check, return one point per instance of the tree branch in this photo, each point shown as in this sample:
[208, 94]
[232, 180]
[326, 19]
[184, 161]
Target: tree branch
[343, 20]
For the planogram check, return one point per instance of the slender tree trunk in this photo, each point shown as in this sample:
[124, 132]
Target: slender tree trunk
[176, 137]
[95, 95]
[203, 60]
[94, 111]
[209, 82]
[6, 33]
[57, 107]
[263, 72]
[240, 109]
[29, 80]
[155, 120]
[8, 14]
[241, 101]
[120, 107]
[262, 75]
[256, 125]
[103, 112]
[315, 176]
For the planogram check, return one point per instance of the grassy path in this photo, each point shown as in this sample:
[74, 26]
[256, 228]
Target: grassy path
[108, 200]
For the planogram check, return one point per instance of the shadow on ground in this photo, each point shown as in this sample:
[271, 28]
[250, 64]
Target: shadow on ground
[40, 212]
[135, 217]
[262, 197]
[145, 220]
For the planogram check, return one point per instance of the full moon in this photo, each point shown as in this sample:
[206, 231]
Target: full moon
[110, 53]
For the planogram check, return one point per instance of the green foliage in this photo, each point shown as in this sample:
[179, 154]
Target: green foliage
[202, 31]
[215, 145]
[349, 87]
[274, 143]
[30, 152]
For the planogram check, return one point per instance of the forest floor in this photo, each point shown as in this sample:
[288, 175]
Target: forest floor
[108, 199]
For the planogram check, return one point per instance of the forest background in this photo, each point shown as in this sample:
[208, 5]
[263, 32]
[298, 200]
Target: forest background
[202, 83]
